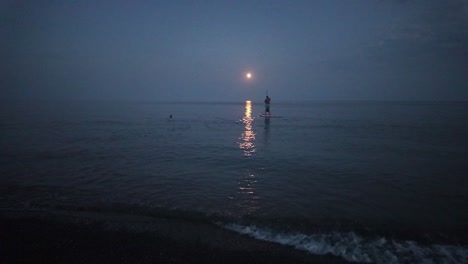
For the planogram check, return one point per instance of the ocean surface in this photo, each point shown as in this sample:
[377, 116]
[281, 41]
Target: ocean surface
[370, 182]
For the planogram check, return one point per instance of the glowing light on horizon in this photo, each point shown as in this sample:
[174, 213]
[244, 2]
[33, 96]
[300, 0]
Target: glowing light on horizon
[248, 75]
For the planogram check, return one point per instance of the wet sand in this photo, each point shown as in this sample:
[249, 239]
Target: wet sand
[27, 239]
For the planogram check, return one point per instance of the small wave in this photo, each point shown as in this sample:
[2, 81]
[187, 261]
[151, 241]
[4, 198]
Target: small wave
[220, 124]
[355, 248]
[108, 122]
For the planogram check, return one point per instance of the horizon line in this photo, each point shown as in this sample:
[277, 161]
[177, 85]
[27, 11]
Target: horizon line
[235, 101]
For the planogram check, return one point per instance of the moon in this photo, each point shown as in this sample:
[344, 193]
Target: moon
[248, 75]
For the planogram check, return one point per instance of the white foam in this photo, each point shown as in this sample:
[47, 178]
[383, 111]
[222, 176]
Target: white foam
[355, 248]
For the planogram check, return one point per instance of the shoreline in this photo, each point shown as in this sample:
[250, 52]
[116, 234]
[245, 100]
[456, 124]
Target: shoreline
[49, 239]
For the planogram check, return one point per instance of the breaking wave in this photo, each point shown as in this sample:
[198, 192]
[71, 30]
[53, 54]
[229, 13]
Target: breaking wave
[355, 248]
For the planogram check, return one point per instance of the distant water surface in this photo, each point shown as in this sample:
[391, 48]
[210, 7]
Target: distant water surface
[378, 182]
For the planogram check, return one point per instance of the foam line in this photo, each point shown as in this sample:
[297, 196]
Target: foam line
[355, 248]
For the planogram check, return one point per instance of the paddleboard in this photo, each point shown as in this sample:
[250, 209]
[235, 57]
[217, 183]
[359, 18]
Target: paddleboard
[273, 116]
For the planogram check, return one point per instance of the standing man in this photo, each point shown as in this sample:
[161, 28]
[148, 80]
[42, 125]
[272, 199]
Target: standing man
[267, 105]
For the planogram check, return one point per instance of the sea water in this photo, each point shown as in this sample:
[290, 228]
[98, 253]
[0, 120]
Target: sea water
[376, 182]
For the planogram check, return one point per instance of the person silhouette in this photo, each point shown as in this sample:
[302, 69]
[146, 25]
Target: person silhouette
[267, 105]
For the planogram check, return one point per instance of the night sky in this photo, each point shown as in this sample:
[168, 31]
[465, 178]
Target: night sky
[202, 50]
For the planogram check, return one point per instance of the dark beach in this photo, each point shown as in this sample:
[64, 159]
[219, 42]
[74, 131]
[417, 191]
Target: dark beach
[38, 237]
